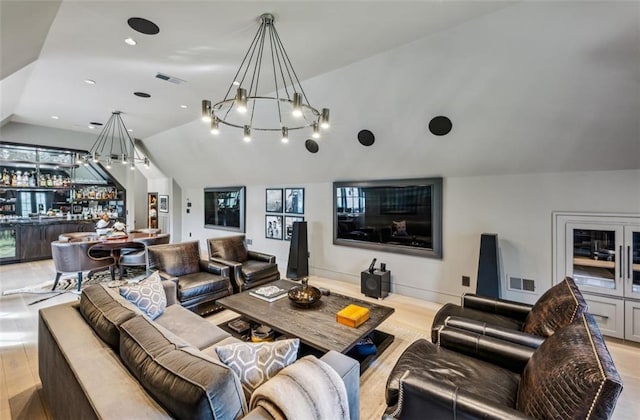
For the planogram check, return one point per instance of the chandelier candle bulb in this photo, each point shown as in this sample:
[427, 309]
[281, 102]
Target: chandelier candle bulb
[247, 133]
[316, 132]
[206, 110]
[297, 105]
[241, 100]
[285, 135]
[215, 129]
[324, 118]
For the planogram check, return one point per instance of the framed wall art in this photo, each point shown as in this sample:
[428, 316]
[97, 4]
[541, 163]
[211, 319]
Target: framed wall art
[273, 199]
[294, 200]
[163, 203]
[288, 225]
[273, 226]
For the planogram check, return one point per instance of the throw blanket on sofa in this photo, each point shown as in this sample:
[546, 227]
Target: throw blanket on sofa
[308, 389]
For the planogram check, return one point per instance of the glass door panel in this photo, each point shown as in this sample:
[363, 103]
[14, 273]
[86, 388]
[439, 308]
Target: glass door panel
[631, 269]
[593, 257]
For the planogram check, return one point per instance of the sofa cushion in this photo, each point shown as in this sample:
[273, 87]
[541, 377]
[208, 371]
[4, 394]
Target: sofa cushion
[192, 328]
[231, 248]
[433, 363]
[181, 378]
[571, 375]
[148, 295]
[557, 307]
[104, 310]
[256, 363]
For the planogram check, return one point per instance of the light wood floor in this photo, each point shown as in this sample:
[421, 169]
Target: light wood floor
[20, 385]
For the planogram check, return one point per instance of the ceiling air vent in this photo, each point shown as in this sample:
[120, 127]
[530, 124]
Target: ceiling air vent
[168, 78]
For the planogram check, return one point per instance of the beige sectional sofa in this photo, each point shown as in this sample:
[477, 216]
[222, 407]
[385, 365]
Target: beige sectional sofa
[100, 358]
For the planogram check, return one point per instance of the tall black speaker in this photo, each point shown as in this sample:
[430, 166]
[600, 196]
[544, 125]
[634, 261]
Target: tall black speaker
[488, 266]
[298, 265]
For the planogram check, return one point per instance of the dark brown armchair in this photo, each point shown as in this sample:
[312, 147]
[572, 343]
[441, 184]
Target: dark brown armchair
[200, 282]
[248, 269]
[73, 257]
[466, 375]
[514, 321]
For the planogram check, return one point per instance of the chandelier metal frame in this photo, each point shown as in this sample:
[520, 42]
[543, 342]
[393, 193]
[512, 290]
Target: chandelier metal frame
[289, 92]
[114, 144]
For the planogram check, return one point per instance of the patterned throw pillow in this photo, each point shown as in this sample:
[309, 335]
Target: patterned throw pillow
[256, 363]
[148, 295]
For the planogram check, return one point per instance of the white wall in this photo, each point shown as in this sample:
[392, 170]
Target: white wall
[516, 207]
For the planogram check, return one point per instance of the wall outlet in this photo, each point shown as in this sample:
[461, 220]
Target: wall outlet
[249, 241]
[466, 281]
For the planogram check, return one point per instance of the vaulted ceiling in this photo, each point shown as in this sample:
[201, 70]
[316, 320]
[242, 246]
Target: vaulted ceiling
[530, 86]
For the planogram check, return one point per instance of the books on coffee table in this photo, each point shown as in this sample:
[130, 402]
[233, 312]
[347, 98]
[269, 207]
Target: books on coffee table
[269, 293]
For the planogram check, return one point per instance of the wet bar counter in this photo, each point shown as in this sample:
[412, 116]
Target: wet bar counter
[29, 238]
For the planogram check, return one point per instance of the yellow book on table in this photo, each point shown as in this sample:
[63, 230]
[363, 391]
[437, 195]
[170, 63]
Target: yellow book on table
[352, 315]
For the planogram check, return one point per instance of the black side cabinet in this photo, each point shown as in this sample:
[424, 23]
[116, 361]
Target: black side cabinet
[375, 284]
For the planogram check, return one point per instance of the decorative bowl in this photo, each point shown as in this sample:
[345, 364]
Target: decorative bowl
[304, 295]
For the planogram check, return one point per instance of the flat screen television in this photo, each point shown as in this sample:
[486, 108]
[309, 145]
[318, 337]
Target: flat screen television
[402, 216]
[224, 208]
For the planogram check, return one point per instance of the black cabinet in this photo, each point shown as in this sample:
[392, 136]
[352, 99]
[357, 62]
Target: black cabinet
[376, 284]
[35, 240]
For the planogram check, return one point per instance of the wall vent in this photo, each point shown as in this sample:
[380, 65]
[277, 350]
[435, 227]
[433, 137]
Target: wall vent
[166, 77]
[521, 284]
[528, 285]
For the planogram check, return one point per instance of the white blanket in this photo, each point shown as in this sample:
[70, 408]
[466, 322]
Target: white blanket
[309, 389]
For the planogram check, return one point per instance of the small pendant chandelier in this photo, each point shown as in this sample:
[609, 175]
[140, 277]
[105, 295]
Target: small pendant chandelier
[288, 110]
[114, 144]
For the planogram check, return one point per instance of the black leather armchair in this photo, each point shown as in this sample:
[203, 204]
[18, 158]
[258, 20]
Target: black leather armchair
[200, 282]
[248, 269]
[514, 321]
[466, 375]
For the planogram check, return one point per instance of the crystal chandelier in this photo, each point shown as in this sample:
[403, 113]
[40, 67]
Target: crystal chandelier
[114, 144]
[288, 110]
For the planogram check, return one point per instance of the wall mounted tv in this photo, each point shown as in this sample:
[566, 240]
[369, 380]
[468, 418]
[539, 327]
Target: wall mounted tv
[224, 208]
[402, 216]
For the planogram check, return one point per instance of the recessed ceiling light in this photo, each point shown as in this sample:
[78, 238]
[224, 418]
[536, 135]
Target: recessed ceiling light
[90, 82]
[130, 41]
[92, 127]
[183, 106]
[142, 94]
[236, 83]
[143, 25]
[55, 117]
[130, 130]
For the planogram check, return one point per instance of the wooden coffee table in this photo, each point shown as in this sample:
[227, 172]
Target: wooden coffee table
[315, 326]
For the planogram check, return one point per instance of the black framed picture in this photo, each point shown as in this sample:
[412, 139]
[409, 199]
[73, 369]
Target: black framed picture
[273, 226]
[288, 225]
[163, 203]
[273, 200]
[294, 200]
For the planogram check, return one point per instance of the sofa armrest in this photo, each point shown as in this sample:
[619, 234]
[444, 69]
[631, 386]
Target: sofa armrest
[498, 352]
[444, 400]
[349, 370]
[170, 290]
[482, 328]
[214, 268]
[261, 256]
[503, 307]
